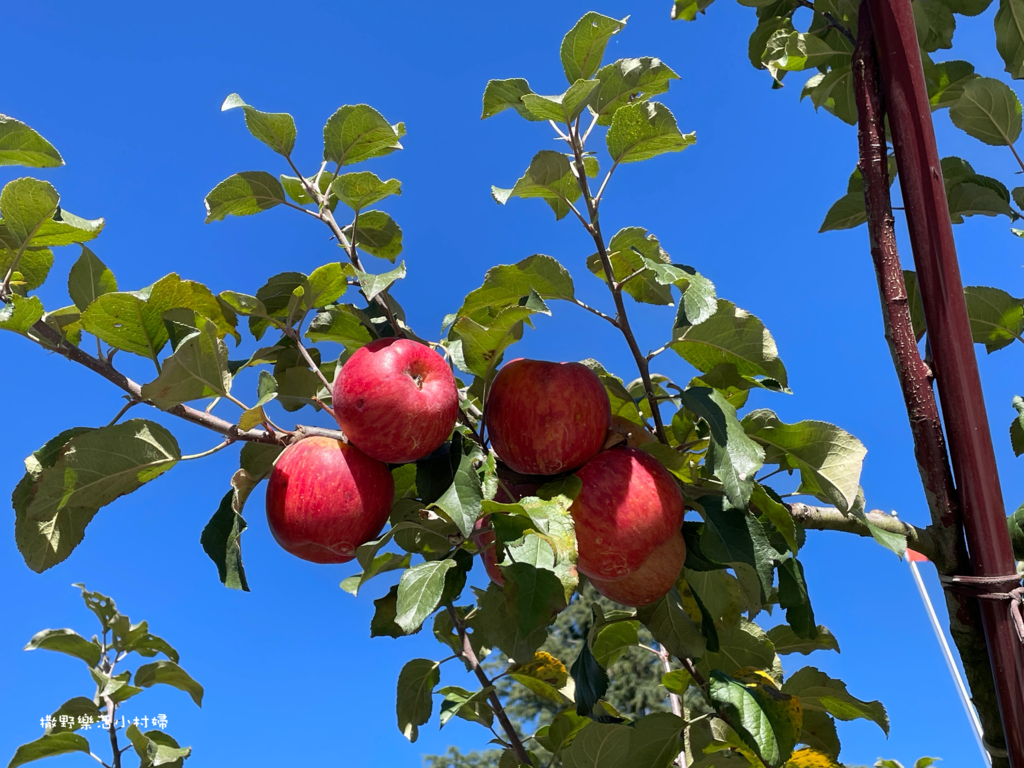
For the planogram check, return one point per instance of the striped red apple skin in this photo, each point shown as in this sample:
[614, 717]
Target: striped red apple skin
[396, 400]
[545, 418]
[651, 580]
[325, 498]
[628, 506]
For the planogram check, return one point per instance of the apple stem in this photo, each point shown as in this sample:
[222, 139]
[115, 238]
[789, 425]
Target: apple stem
[474, 664]
[621, 319]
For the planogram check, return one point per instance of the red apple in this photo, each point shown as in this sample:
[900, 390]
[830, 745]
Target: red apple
[544, 418]
[651, 580]
[325, 498]
[485, 542]
[628, 506]
[396, 400]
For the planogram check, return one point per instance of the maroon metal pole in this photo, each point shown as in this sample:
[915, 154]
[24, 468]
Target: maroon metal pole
[955, 365]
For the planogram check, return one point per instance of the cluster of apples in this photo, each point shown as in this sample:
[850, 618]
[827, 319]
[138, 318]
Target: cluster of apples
[397, 401]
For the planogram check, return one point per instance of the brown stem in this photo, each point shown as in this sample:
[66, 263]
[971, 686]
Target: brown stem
[915, 382]
[56, 343]
[499, 711]
[594, 228]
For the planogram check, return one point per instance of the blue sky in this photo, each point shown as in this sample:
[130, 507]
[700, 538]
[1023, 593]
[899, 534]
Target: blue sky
[130, 94]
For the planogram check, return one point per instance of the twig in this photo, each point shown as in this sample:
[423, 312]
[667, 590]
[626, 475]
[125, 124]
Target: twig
[210, 452]
[123, 411]
[597, 312]
[470, 656]
[56, 343]
[295, 335]
[921, 540]
[594, 228]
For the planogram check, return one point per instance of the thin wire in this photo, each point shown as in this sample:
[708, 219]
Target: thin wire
[965, 699]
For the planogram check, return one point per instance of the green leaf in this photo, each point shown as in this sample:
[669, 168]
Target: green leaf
[834, 93]
[735, 336]
[744, 644]
[946, 81]
[90, 278]
[197, 369]
[374, 284]
[296, 190]
[220, 540]
[989, 111]
[732, 537]
[611, 641]
[767, 503]
[20, 145]
[500, 95]
[734, 456]
[73, 709]
[389, 561]
[416, 684]
[1016, 525]
[632, 250]
[765, 719]
[482, 346]
[156, 748]
[169, 673]
[829, 458]
[996, 317]
[49, 746]
[846, 213]
[790, 51]
[627, 81]
[470, 706]
[698, 301]
[795, 600]
[970, 199]
[687, 10]
[419, 592]
[644, 130]
[652, 741]
[551, 178]
[243, 194]
[357, 133]
[565, 107]
[506, 285]
[590, 678]
[26, 205]
[116, 687]
[786, 640]
[32, 269]
[377, 234]
[66, 641]
[935, 24]
[134, 321]
[343, 324]
[69, 479]
[671, 626]
[915, 302]
[21, 314]
[819, 692]
[583, 46]
[461, 502]
[894, 542]
[327, 284]
[1017, 429]
[359, 190]
[1009, 23]
[275, 129]
[518, 624]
